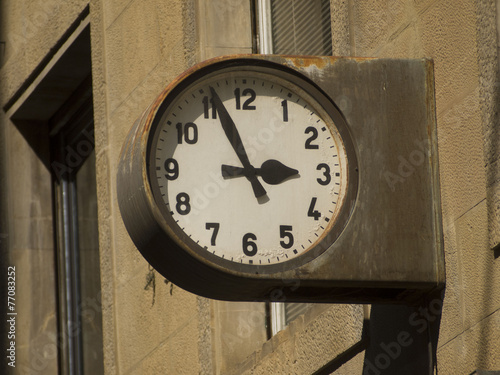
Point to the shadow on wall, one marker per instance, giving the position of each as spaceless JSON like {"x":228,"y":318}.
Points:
{"x":403,"y":339}
{"x":397,"y":340}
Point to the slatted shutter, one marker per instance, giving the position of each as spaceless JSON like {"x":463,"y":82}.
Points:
{"x":301,"y":27}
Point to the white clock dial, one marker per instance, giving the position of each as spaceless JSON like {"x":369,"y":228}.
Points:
{"x":250,"y":167}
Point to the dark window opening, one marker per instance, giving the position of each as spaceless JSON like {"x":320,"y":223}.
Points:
{"x":76,"y":231}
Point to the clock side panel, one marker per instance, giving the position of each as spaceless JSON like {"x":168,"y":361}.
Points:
{"x":394,"y":237}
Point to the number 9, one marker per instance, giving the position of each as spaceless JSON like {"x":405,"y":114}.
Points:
{"x":172,"y":168}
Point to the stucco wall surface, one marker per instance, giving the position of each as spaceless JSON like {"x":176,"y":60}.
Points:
{"x":455,"y":35}
{"x":150,"y":326}
{"x":30,"y":29}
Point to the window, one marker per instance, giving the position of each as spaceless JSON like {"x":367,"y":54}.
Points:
{"x":298,"y":27}
{"x":75,"y":221}
{"x":292,"y":27}
{"x":53,"y":112}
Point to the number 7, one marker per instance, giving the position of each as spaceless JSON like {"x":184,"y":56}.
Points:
{"x":215,"y":227}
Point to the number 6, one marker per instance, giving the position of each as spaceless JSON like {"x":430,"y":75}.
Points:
{"x":249,"y":247}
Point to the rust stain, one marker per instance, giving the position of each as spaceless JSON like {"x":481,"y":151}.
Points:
{"x":430,"y":96}
{"x":320,"y":62}
{"x":144,"y":122}
{"x":294,"y":61}
{"x":431,"y":110}
{"x":152,"y":110}
{"x":307,"y":61}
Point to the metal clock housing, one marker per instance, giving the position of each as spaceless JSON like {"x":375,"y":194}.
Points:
{"x":245,"y":181}
{"x":199,"y":173}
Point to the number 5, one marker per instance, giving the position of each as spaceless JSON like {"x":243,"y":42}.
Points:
{"x":286,"y":232}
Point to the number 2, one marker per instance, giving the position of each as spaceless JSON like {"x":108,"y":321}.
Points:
{"x":309,"y":140}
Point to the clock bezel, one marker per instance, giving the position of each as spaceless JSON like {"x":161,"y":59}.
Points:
{"x":181,"y":241}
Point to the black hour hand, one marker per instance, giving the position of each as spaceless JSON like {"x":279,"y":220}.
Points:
{"x":272,"y":172}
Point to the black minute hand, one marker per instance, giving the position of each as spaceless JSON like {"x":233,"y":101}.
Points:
{"x":234,"y":138}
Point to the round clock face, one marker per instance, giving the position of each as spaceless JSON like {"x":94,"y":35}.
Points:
{"x":249,"y":167}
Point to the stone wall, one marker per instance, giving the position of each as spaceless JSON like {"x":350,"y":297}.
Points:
{"x":150,"y":326}
{"x":455,"y":35}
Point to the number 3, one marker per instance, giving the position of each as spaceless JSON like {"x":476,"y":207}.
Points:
{"x":326,"y":173}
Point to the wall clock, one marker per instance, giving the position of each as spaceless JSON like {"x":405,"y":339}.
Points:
{"x":250,"y":165}
{"x":239,"y":178}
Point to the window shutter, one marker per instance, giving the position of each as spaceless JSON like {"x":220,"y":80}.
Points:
{"x":293,"y":310}
{"x":301,"y":27}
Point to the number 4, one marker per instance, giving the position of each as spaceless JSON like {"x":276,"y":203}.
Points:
{"x":312,"y":212}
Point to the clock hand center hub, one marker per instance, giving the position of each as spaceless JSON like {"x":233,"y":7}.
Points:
{"x":249,"y":171}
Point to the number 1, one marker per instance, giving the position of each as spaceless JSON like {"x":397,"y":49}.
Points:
{"x":284,"y":104}
{"x":206,"y":108}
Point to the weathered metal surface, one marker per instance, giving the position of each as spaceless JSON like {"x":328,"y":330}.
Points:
{"x":390,"y":250}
